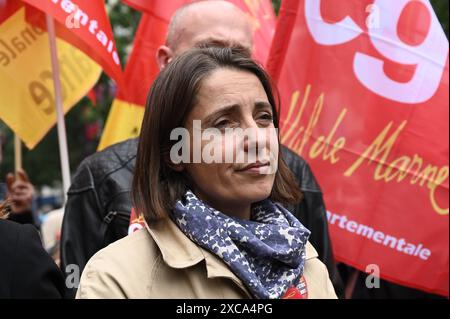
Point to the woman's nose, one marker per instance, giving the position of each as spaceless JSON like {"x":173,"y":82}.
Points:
{"x":251,"y":137}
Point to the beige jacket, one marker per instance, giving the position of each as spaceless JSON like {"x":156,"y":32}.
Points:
{"x":161,"y":262}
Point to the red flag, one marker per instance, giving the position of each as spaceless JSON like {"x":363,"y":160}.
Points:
{"x":7,"y":8}
{"x":364,"y":88}
{"x":85,"y":24}
{"x":263,"y":21}
{"x":141,"y":68}
{"x":92,"y":96}
{"x":159,"y":9}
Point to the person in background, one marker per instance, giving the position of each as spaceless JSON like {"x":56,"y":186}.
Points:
{"x":213,"y":230}
{"x":20,"y":192}
{"x":51,"y":233}
{"x":97,"y":212}
{"x":26,"y":270}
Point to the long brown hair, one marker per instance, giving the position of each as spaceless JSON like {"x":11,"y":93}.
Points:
{"x":156,"y":186}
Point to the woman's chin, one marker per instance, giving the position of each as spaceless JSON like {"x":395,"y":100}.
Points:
{"x":255,"y":194}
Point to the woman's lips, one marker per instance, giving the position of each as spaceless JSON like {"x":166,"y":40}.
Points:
{"x":257,"y":167}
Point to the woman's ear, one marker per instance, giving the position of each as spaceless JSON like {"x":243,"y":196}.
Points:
{"x":164,"y":56}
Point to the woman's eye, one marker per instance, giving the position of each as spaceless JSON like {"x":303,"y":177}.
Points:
{"x":222,"y":124}
{"x":266,"y":117}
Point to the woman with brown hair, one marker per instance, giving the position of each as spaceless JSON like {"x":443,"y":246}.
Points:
{"x":214,"y":228}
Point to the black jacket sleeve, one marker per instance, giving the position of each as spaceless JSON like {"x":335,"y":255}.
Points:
{"x":81,"y":234}
{"x":30,"y":273}
{"x":311,"y":212}
{"x":98,"y":206}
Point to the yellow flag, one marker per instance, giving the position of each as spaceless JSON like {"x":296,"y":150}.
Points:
{"x":124,"y":122}
{"x":27,"y":103}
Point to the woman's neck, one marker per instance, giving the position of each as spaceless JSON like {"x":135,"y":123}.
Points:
{"x":241,"y":211}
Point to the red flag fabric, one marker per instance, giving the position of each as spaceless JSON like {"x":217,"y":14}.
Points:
{"x":92,"y":96}
{"x":85,"y":24}
{"x":263,"y":20}
{"x":162,"y":10}
{"x":364,"y":87}
{"x":141,"y":68}
{"x":7,"y":8}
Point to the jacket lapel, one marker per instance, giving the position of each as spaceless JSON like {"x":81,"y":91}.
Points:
{"x":178,"y":251}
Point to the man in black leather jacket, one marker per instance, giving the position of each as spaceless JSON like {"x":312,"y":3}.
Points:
{"x":98,"y":208}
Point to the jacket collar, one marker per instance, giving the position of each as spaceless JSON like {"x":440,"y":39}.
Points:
{"x":178,"y":251}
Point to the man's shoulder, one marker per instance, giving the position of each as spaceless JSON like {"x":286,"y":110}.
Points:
{"x":9,"y":234}
{"x":301,"y":170}
{"x":10,"y":230}
{"x":290,"y":157}
{"x":100,"y":164}
{"x":18,"y":241}
{"x":112,"y":157}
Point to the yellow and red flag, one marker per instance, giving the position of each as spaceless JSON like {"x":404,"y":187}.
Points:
{"x":364,"y":90}
{"x":26,"y":87}
{"x":85,"y":25}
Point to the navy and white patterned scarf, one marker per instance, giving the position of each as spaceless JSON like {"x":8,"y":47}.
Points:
{"x":266,"y":252}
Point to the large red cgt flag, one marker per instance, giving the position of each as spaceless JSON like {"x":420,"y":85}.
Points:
{"x":125,"y":117}
{"x":364,"y":87}
{"x":84,"y":24}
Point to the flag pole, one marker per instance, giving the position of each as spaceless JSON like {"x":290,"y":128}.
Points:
{"x":62,"y":139}
{"x":17,"y":153}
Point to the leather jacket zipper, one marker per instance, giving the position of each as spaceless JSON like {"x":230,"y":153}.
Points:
{"x":111,"y":215}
